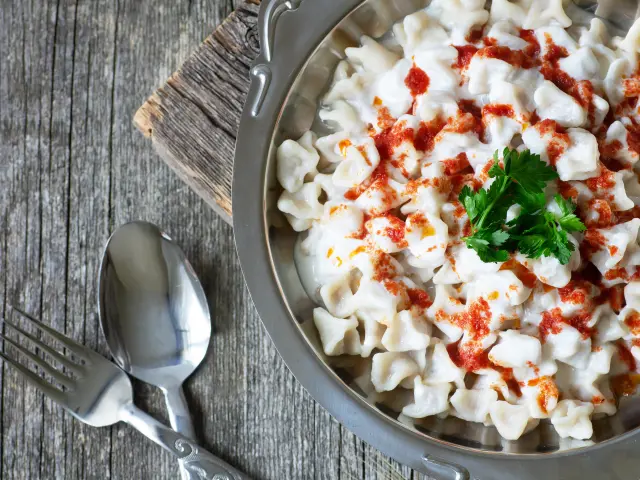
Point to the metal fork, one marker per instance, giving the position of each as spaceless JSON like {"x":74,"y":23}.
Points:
{"x":99,"y":393}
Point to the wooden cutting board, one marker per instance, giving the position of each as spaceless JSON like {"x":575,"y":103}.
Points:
{"x":193,"y":118}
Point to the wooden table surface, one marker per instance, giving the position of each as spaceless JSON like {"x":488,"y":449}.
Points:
{"x":72,"y":169}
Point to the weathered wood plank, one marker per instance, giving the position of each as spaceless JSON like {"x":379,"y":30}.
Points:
{"x":89,"y":112}
{"x":192,"y":120}
{"x":26,"y":153}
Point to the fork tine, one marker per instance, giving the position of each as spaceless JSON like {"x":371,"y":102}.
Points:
{"x":79,"y":350}
{"x":57,"y":356}
{"x":40,"y":383}
{"x":56,"y":374}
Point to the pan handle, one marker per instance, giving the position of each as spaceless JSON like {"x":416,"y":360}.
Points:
{"x":270,"y":13}
{"x":439,"y":468}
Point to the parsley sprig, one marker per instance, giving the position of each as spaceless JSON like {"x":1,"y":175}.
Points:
{"x":535,"y":231}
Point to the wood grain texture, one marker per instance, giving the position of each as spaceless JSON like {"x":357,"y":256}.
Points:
{"x":193,"y":118}
{"x":72,"y":169}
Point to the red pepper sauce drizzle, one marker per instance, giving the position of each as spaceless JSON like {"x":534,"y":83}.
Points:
{"x":551,"y":323}
{"x":498,"y":110}
{"x":417,"y":81}
{"x":469,"y":106}
{"x":419,"y":298}
{"x":385,"y":119}
{"x":633,"y":136}
{"x":386,"y":142}
{"x":606,"y":216}
{"x":440,"y":183}
{"x":414,"y":298}
{"x":378,"y":177}
{"x":395,"y":231}
{"x":592,"y":242}
{"x":490,"y":41}
{"x":631,"y":86}
{"x":472,"y":358}
{"x":576,"y":292}
{"x":475,"y":35}
{"x":458,"y":164}
{"x":629,"y":104}
{"x":469,"y":119}
{"x":567,"y":190}
{"x":623,"y":108}
{"x":391,"y":138}
{"x":633,"y":322}
{"x":587,"y":277}
{"x":459,"y":181}
{"x":426,"y":134}
{"x":614,"y":296}
{"x":526,"y":58}
{"x":394,"y":288}
{"x":550,"y":68}
{"x":533,"y":48}
{"x":580,"y":321}
{"x":383,"y":267}
{"x":468,"y":356}
{"x":507,"y":376}
{"x":608,"y":153}
{"x":361,"y":234}
{"x":603,"y":182}
{"x":617,"y":273}
{"x":553,"y":320}
{"x":581,"y":91}
{"x":517,"y":58}
{"x":559,"y":142}
{"x":527,"y":277}
{"x":474,"y":319}
{"x":548,"y":389}
{"x":465,"y":54}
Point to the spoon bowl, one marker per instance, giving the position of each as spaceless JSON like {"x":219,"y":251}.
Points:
{"x":154,"y":313}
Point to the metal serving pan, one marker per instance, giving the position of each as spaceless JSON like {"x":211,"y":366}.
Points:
{"x":302,"y":41}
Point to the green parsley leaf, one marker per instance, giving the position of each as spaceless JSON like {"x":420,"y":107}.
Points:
{"x":531,"y":173}
{"x":566,"y":205}
{"x":530,"y":202}
{"x":474,"y":203}
{"x":493,"y":237}
{"x":569,"y":220}
{"x":496,"y":170}
{"x":535,"y":232}
{"x":498,"y":237}
{"x":571,"y":223}
{"x":532,"y":246}
{"x":499,"y":198}
{"x":486,"y":253}
{"x":563,"y":248}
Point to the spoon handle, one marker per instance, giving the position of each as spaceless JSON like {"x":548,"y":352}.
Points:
{"x":179,"y":416}
{"x":200,"y":464}
{"x":180,"y":419}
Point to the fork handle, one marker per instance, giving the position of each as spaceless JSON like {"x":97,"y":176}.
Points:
{"x":200,"y":464}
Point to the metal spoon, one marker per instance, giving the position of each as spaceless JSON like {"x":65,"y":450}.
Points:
{"x":154,"y":314}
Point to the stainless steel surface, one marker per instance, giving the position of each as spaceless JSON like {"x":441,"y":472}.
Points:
{"x":299,"y":73}
{"x":154,"y":314}
{"x":97,"y":392}
{"x":262,"y":72}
